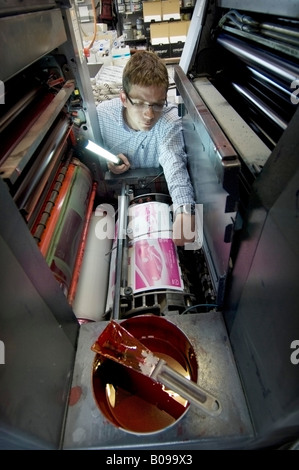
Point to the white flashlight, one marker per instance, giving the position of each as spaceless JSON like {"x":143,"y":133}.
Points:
{"x":98,"y":150}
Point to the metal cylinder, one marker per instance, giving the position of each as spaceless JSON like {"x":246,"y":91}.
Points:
{"x":255,"y":57}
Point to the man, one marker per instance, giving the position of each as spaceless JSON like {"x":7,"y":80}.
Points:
{"x":145,"y":132}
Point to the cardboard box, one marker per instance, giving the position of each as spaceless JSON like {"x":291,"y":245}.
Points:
{"x":171,"y":10}
{"x":152,"y":11}
{"x":178,"y":31}
{"x":159,"y":33}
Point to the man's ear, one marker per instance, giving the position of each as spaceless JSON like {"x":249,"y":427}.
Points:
{"x":123,"y":98}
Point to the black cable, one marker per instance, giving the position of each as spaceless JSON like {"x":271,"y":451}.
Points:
{"x":198,"y":305}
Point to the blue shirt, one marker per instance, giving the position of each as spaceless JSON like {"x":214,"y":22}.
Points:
{"x":162,"y":145}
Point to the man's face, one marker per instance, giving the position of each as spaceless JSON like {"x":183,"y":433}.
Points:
{"x":138,"y":114}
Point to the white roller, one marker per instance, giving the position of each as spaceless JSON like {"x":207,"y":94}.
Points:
{"x":90,"y":299}
{"x":149,"y":220}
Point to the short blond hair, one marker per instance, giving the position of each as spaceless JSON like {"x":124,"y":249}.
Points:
{"x":145,"y":68}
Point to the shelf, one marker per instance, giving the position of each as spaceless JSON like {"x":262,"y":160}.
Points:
{"x":186,"y":9}
{"x":130,"y":16}
{"x":136,"y":40}
{"x":130,"y":12}
{"x":182,"y":9}
{"x":171,"y":60}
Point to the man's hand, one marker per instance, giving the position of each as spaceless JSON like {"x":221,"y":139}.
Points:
{"x":118,"y":169}
{"x":183,"y":229}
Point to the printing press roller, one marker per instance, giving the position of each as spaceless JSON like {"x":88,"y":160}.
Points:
{"x":137,"y":269}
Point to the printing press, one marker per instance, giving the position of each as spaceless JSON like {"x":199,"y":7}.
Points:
{"x":225,"y":308}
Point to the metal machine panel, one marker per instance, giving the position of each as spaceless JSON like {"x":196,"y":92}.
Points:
{"x":77,"y":68}
{"x":214,"y":168}
{"x":15,"y":6}
{"x":267,"y":6}
{"x":27,"y":47}
{"x":39,"y":333}
{"x":270,"y":378}
{"x":20,"y":156}
{"x":249,"y":147}
{"x":262,"y":303}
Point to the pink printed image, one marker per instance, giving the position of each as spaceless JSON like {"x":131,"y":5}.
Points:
{"x":153,"y":264}
{"x":150,"y":220}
